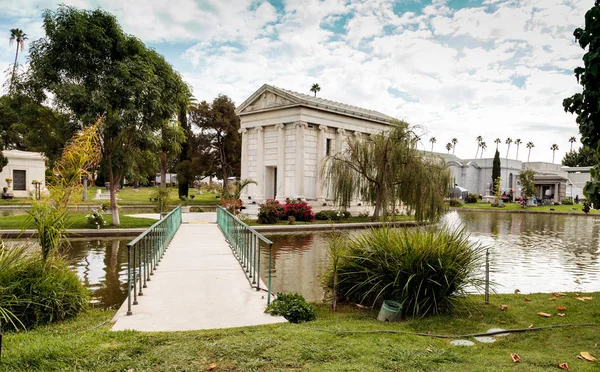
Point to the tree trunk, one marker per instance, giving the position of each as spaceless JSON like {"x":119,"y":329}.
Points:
{"x":85,"y":187}
{"x":184,"y":184}
{"x":14,"y":68}
{"x":163,"y":170}
{"x":113,"y":194}
{"x":377,"y":203}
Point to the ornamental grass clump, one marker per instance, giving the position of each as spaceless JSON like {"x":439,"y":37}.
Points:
{"x":425,"y":269}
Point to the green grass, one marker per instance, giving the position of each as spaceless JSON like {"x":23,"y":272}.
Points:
{"x":76,"y":221}
{"x":128,"y":197}
{"x":576,"y":208}
{"x":87,"y":343}
{"x":353,"y":219}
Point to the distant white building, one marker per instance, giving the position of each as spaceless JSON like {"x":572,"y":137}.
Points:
{"x":287,"y":135}
{"x":22,"y":170}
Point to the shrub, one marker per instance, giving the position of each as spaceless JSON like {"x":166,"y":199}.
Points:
{"x":196,"y":209}
{"x":96,"y":219}
{"x":425,"y":269}
{"x":455,"y":202}
{"x":472,"y":198}
{"x":35,"y":292}
{"x":299,"y":210}
{"x":293,"y":307}
{"x":567,"y":202}
{"x":331,"y":214}
{"x":270,"y":212}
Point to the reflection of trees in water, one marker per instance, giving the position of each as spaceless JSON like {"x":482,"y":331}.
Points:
{"x":291,"y":243}
{"x":112,"y":292}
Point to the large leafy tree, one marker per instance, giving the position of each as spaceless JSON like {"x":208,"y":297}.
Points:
{"x":586,"y":105}
{"x":93,"y":69}
{"x":582,"y":157}
{"x":218,"y":125}
{"x":387,"y":171}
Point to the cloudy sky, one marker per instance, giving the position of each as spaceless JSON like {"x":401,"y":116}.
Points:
{"x":457,"y":68}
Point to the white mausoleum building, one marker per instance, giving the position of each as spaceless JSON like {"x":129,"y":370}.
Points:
{"x":22,"y":169}
{"x":287,"y":135}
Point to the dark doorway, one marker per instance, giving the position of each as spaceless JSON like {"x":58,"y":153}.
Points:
{"x":19,"y":180}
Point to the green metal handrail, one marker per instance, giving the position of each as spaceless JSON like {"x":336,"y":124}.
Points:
{"x":245,"y":244}
{"x":145,"y":252}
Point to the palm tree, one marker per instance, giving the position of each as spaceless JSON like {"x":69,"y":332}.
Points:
{"x":315,"y":88}
{"x":508,"y":142}
{"x":432,"y":140}
{"x":449,"y":147}
{"x":19,"y":36}
{"x":529,"y":145}
{"x":483,"y":146}
{"x":454,"y":142}
{"x":479,"y":139}
{"x":554,"y":147}
{"x":518,"y":142}
{"x":572,"y":140}
{"x":497,"y":141}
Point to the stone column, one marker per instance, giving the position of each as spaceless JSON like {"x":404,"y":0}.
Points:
{"x":244,"y":166}
{"x":280,"y":162}
{"x":299,"y":175}
{"x":320,"y":160}
{"x":260,"y":163}
{"x":339,"y":140}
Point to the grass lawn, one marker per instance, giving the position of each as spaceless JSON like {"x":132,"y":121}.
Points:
{"x":576,"y":208}
{"x":129,"y":197}
{"x":87,"y":343}
{"x":77,"y":221}
{"x":353,"y":219}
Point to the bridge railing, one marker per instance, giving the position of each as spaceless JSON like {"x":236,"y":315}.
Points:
{"x":245,"y":243}
{"x":145,"y":252}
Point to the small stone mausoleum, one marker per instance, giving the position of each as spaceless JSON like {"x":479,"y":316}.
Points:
{"x":287,"y":135}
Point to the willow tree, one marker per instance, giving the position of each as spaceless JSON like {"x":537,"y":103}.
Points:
{"x":387,"y":171}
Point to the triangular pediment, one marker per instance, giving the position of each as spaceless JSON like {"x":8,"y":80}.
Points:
{"x":267,"y":100}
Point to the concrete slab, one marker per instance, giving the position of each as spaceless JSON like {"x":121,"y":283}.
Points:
{"x":199,"y":284}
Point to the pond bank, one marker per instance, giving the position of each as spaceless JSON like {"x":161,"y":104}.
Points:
{"x":329,"y":226}
{"x":524,"y":210}
{"x":77,"y":233}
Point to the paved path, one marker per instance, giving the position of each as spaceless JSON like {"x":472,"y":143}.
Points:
{"x":198,"y":285}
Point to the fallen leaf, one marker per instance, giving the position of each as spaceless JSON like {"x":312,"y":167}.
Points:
{"x":585,"y":298}
{"x":563,"y":366}
{"x":501,"y":322}
{"x":580,"y":357}
{"x":530,"y":326}
{"x":515,"y":357}
{"x":561,"y":308}
{"x":561,"y":314}
{"x":558,"y":294}
{"x":429,"y":349}
{"x":577,"y":295}
{"x":504,"y":307}
{"x":212,"y":366}
{"x":552,"y":299}
{"x":517,"y":291}
{"x":587,"y":356}
{"x":544,"y":315}
{"x":527,"y":299}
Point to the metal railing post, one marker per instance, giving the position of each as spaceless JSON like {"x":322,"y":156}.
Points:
{"x":128,"y":280}
{"x":270,"y":268}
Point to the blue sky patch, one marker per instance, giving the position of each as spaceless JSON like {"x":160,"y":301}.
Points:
{"x":518,"y":81}
{"x":413,"y":6}
{"x":336,"y":23}
{"x":404,"y":95}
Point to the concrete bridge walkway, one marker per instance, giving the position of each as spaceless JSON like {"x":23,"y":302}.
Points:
{"x":199,"y":284}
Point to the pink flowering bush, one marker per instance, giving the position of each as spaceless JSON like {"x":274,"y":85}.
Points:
{"x":300,"y":210}
{"x":270,"y":212}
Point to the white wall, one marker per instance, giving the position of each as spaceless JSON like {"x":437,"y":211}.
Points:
{"x":31,"y":162}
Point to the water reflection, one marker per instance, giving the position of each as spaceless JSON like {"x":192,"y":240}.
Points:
{"x":532,"y":252}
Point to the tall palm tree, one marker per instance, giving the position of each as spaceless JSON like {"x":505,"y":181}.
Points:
{"x":483,"y":146}
{"x":508,"y":142}
{"x":518,"y":142}
{"x":315,"y":88}
{"x":454,"y":142}
{"x":497,"y":141}
{"x":449,"y":147}
{"x":479,"y":139}
{"x":572,"y":140}
{"x":554,"y":147}
{"x":20,"y":37}
{"x":432,"y":140}
{"x":529,"y":145}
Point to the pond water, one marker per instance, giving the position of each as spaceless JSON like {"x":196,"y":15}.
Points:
{"x":531,"y":252}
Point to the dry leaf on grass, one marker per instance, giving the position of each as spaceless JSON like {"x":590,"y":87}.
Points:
{"x":530,"y":326}
{"x":504,"y":307}
{"x":560,"y":314}
{"x":501,"y":322}
{"x":558,"y":294}
{"x":561,"y":308}
{"x":585,"y":298}
{"x":527,"y":299}
{"x":544,"y":315}
{"x":585,"y":355}
{"x":552,"y":299}
{"x":212,"y":366}
{"x":563,"y":366}
{"x":515,"y":358}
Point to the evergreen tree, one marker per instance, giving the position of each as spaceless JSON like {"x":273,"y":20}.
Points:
{"x":496,"y":170}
